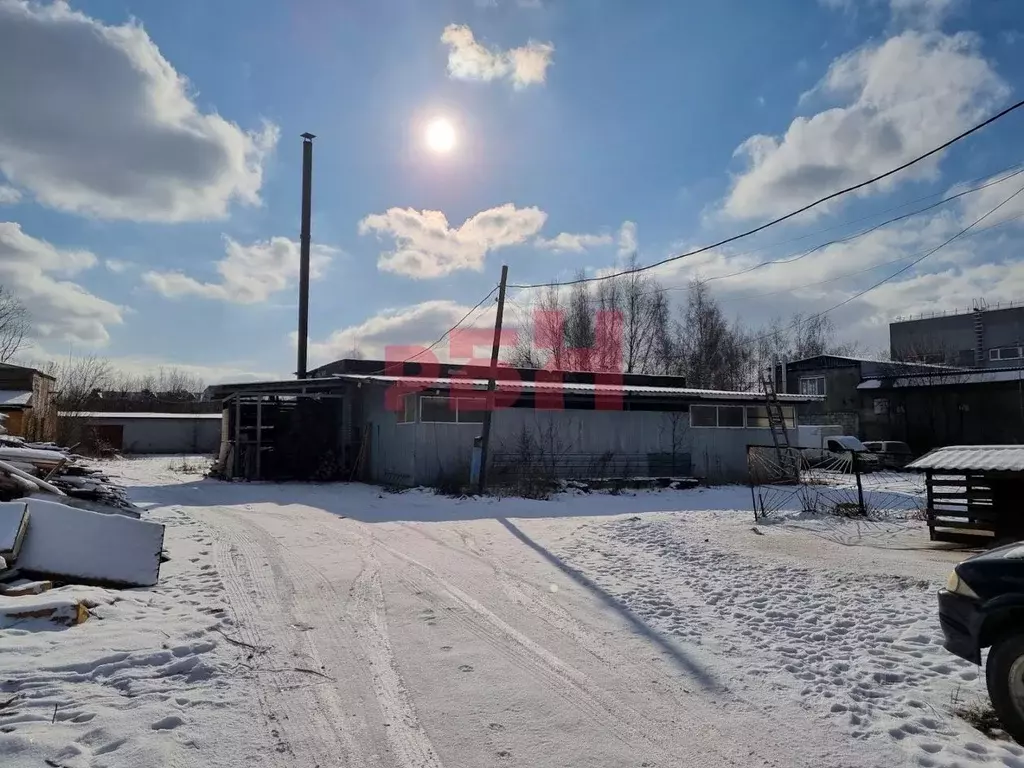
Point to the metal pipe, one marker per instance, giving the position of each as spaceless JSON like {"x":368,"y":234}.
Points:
{"x":304,"y":241}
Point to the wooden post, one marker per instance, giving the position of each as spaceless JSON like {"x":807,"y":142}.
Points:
{"x":238,"y":437}
{"x":259,"y":437}
{"x":485,"y":433}
{"x":860,"y":487}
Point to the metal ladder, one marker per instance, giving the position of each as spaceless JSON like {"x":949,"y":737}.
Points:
{"x":777,"y":425}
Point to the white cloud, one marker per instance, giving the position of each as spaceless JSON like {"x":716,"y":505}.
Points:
{"x":60,"y":309}
{"x":428,"y":247}
{"x":98,"y":122}
{"x":905,"y":96}
{"x":417,"y":325}
{"x":117,"y":266}
{"x":922,"y":13}
{"x":576,"y":243}
{"x":977,"y":204}
{"x":470,"y":60}
{"x":627,"y":239}
{"x":9,"y":195}
{"x":926,"y":13}
{"x":227,"y":372}
{"x":249,"y":273}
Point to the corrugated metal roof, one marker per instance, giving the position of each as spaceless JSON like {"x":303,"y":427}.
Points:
{"x":951,"y":378}
{"x":140,"y":415}
{"x":548,"y":386}
{"x":15,"y":396}
{"x":1008,"y":458}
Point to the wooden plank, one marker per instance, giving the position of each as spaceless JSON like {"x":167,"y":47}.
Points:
{"x":973,"y":494}
{"x":970,"y":539}
{"x":963,"y":525}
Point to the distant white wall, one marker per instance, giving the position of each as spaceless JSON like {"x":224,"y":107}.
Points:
{"x":172,"y":435}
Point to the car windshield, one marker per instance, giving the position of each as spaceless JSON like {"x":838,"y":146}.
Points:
{"x":850,"y":443}
{"x":893,"y":447}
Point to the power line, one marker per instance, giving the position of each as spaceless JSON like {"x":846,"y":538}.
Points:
{"x":449,"y":331}
{"x":797,"y":212}
{"x":898,"y":272}
{"x":845,"y":275}
{"x":850,"y":238}
{"x":917,"y":261}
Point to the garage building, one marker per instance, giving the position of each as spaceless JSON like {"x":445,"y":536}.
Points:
{"x":152,"y":432}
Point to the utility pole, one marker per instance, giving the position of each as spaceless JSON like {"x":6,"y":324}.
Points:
{"x":304,"y":238}
{"x":485,"y":436}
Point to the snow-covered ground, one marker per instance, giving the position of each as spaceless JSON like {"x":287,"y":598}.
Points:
{"x":303,"y":625}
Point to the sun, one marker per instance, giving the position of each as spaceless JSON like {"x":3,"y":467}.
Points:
{"x":440,"y":136}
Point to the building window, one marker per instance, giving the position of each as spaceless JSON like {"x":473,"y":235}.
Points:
{"x":408,"y":413}
{"x":452,"y":410}
{"x":437,"y":410}
{"x":812,"y":385}
{"x":703,"y":416}
{"x":757,"y":417}
{"x":471,"y":410}
{"x":730,"y":415}
{"x":1004,"y":353}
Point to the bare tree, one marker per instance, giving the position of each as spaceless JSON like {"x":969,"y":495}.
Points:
{"x":708,"y":350}
{"x":579,"y":329}
{"x":14,"y":325}
{"x":77,"y":379}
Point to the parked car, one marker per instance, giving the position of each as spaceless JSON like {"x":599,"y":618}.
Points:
{"x":836,"y":451}
{"x":981,"y":607}
{"x":891,"y":453}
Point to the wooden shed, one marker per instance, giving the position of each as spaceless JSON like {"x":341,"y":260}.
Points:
{"x":975,"y":493}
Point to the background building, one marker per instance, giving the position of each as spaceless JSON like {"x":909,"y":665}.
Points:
{"x":139,"y":432}
{"x":987,"y":337}
{"x":27,"y":398}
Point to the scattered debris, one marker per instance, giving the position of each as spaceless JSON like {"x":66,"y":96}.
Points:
{"x":46,"y":470}
{"x":85,"y":547}
{"x":62,"y":611}
{"x":23,"y":587}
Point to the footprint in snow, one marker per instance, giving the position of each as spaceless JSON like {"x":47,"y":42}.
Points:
{"x":168,"y":723}
{"x":465,"y":668}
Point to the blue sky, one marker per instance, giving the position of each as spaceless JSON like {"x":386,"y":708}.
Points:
{"x":154,"y":220}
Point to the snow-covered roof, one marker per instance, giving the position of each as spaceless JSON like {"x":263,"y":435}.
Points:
{"x":13,"y":397}
{"x":140,"y":415}
{"x":953,"y":377}
{"x":973,"y":457}
{"x":550,"y":386}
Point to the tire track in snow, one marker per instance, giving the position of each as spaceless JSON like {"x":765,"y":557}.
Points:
{"x":569,"y":683}
{"x":306,"y":721}
{"x":405,"y":734}
{"x":525,"y":594}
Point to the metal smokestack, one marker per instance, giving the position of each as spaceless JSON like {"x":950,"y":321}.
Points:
{"x":304,"y":238}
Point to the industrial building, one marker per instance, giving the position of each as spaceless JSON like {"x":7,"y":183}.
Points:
{"x":985,"y":337}
{"x":402,"y":425}
{"x":141,"y":432}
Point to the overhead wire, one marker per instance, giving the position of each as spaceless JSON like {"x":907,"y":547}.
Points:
{"x":447,"y":333}
{"x":791,"y":214}
{"x":790,"y":258}
{"x":899,"y":272}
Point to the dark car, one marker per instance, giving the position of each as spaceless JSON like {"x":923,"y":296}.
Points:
{"x":892,"y":453}
{"x":982,"y":606}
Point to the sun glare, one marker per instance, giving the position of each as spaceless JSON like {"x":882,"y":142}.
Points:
{"x":440,"y":136}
